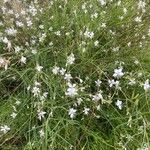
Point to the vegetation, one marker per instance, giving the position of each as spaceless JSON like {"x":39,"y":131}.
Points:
{"x":74,"y":74}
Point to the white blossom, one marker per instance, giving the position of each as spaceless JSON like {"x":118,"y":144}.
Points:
{"x":36,"y":91}
{"x":86,"y":111}
{"x":72,"y":90}
{"x":13,"y":115}
{"x":39,"y":68}
{"x":102,"y":2}
{"x":11,"y":31}
{"x":23,"y":60}
{"x":70,"y":59}
{"x":146,"y":85}
{"x":119,"y":104}
{"x":55,"y":70}
{"x":72,"y":113}
{"x":98,"y":96}
{"x":4,"y":129}
{"x":41,"y":132}
{"x":41,"y":114}
{"x":118,"y":73}
{"x":98,"y":83}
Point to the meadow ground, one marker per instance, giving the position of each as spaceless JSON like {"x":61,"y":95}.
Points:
{"x":74,"y":75}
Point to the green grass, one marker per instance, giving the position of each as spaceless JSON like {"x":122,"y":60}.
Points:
{"x":106,"y":128}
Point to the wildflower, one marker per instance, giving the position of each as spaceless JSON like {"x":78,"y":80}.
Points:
{"x":4,"y":129}
{"x":98,"y":83}
{"x":86,"y":111}
{"x":146,"y":85}
{"x":79,"y":101}
{"x":96,"y":43}
{"x":89,"y":34}
{"x":141,"y":4}
{"x":62,"y":71}
{"x":72,"y":90}
{"x":34,"y":51}
{"x":70,"y":59}
{"x":18,"y":102}
{"x":42,"y":37}
{"x":116,"y":49}
{"x":68,"y":76}
{"x":39,"y":68}
{"x":41,"y":132}
{"x":103,"y":25}
{"x":97,"y":96}
{"x":132,"y":82}
{"x":17,"y":49}
{"x":55,"y":70}
{"x":44,"y":96}
{"x":102,"y":2}
{"x":118,"y":73}
{"x":72,"y":113}
{"x":138,"y":19}
{"x":4,"y":63}
{"x":11,"y":31}
{"x":13,"y":115}
{"x":119,"y":104}
{"x":23,"y":60}
{"x":19,"y":24}
{"x":125,"y":10}
{"x":36,"y":91}
{"x":111,"y":82}
{"x":41,"y":114}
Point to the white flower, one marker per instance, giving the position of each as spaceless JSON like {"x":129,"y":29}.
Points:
{"x":125,"y":10}
{"x":70,"y":59}
{"x":132,"y":82}
{"x":72,"y":113}
{"x":39,"y":68}
{"x":86,"y":111}
{"x":18,"y":102}
{"x":98,"y":83}
{"x":116,"y":49}
{"x":138,"y":19}
{"x":118,"y":73}
{"x":11,"y":31}
{"x":29,"y":23}
{"x":79,"y":101}
{"x":17,"y":49}
{"x":141,"y":4}
{"x":41,"y":132}
{"x":89,"y":34}
{"x":119,"y":104}
{"x":62,"y":71}
{"x":68,"y":76}
{"x":146,"y":85}
{"x":4,"y":129}
{"x":5,"y":40}
{"x":96,"y":43}
{"x":111,"y":82}
{"x":36,"y":91}
{"x":103,"y":25}
{"x":23,"y":60}
{"x":41,"y":114}
{"x":4,"y":63}
{"x":72,"y":90}
{"x":19,"y":24}
{"x":55,"y":70}
{"x":34,"y":51}
{"x":97,"y":96}
{"x":13,"y":115}
{"x":102,"y":2}
{"x":44,"y":96}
